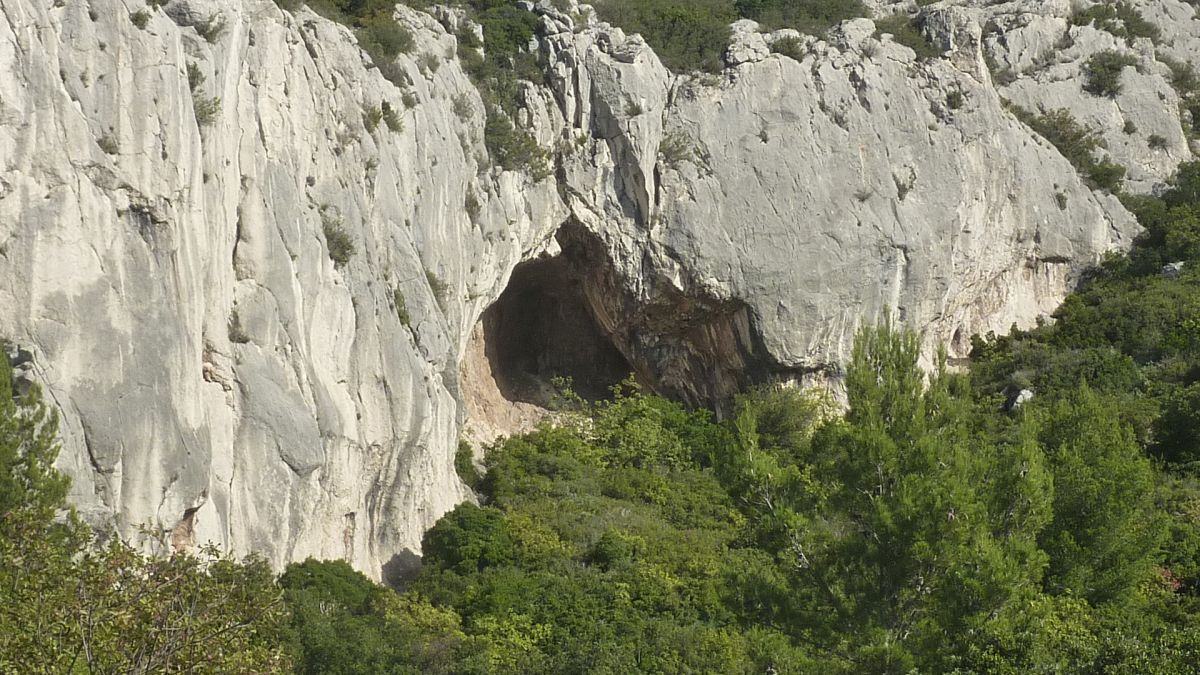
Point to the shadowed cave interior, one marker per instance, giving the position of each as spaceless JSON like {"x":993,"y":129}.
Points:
{"x":541,"y":328}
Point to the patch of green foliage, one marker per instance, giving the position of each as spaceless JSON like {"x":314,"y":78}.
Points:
{"x":1186,"y":83}
{"x":464,"y":465}
{"x":70,"y":602}
{"x":1078,"y":144}
{"x":337,"y":240}
{"x":790,"y":47}
{"x":377,"y":31}
{"x":401,"y":306}
{"x":809,"y":16}
{"x":1119,"y":18}
{"x":685,"y":34}
{"x":926,"y":530}
{"x":1132,"y":330}
{"x":497,"y":72}
{"x":692,"y":35}
{"x":1102,"y":72}
{"x":907,"y":32}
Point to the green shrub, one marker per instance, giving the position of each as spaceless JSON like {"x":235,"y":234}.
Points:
{"x":206,"y":109}
{"x":686,"y":35}
{"x":381,"y":36}
{"x":907,"y":32}
{"x":439,"y":288}
{"x":791,"y":47}
{"x":1078,"y":144}
{"x":212,"y":28}
{"x":429,"y":63}
{"x":372,"y":116}
{"x":1120,"y":18}
{"x":1156,"y":142}
{"x":195,"y":77}
{"x":464,"y":465}
{"x":1102,"y":72}
{"x":108,"y":144}
{"x":337,"y":240}
{"x":140,"y":18}
{"x":391,"y":118}
{"x":809,"y":16}
{"x":401,"y":306}
{"x":514,"y":149}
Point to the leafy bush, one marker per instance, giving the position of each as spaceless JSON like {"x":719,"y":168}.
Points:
{"x":1121,"y":19}
{"x":809,"y":16}
{"x":1078,"y":144}
{"x":790,"y":47}
{"x":464,"y":465}
{"x":381,"y":36}
{"x":514,"y":149}
{"x":1102,"y":72}
{"x":337,"y":240}
{"x":686,"y":35}
{"x":206,"y":109}
{"x":401,"y":306}
{"x":391,"y":118}
{"x":907,"y":32}
{"x":212,"y":28}
{"x":140,"y":18}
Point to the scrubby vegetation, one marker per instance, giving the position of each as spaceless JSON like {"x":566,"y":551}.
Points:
{"x":907,"y":32}
{"x":693,"y":34}
{"x":70,"y":602}
{"x":941,"y":524}
{"x":337,"y":240}
{"x":1078,"y":144}
{"x":1102,"y":72}
{"x":1119,"y":18}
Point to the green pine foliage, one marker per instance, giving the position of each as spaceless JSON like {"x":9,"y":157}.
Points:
{"x":69,"y":603}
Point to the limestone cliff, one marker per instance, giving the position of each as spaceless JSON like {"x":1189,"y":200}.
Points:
{"x":170,"y":195}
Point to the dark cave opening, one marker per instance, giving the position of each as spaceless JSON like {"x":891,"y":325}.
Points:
{"x":540,"y":328}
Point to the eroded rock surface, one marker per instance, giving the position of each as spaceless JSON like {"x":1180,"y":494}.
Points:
{"x":222,"y":379}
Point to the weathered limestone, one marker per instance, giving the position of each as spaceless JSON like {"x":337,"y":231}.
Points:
{"x":221,"y":378}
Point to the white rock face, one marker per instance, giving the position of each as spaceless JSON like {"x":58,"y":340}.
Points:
{"x":1039,"y":48}
{"x":221,"y":379}
{"x":217,"y":374}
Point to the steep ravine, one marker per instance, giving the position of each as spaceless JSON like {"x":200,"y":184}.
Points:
{"x":221,"y":378}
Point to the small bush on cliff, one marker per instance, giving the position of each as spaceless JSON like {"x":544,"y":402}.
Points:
{"x":337,"y":240}
{"x":908,"y":33}
{"x":1077,"y":143}
{"x":1121,"y":19}
{"x":1102,"y":72}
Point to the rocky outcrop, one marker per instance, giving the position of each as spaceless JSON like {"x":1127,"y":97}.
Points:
{"x":174,"y":197}
{"x":1041,"y":57}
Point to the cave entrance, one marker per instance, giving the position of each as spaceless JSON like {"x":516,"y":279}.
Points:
{"x":539,"y":329}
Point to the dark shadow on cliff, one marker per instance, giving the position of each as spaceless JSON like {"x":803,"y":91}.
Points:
{"x":540,"y":328}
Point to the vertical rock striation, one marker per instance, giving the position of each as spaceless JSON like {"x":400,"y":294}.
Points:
{"x":176,"y":200}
